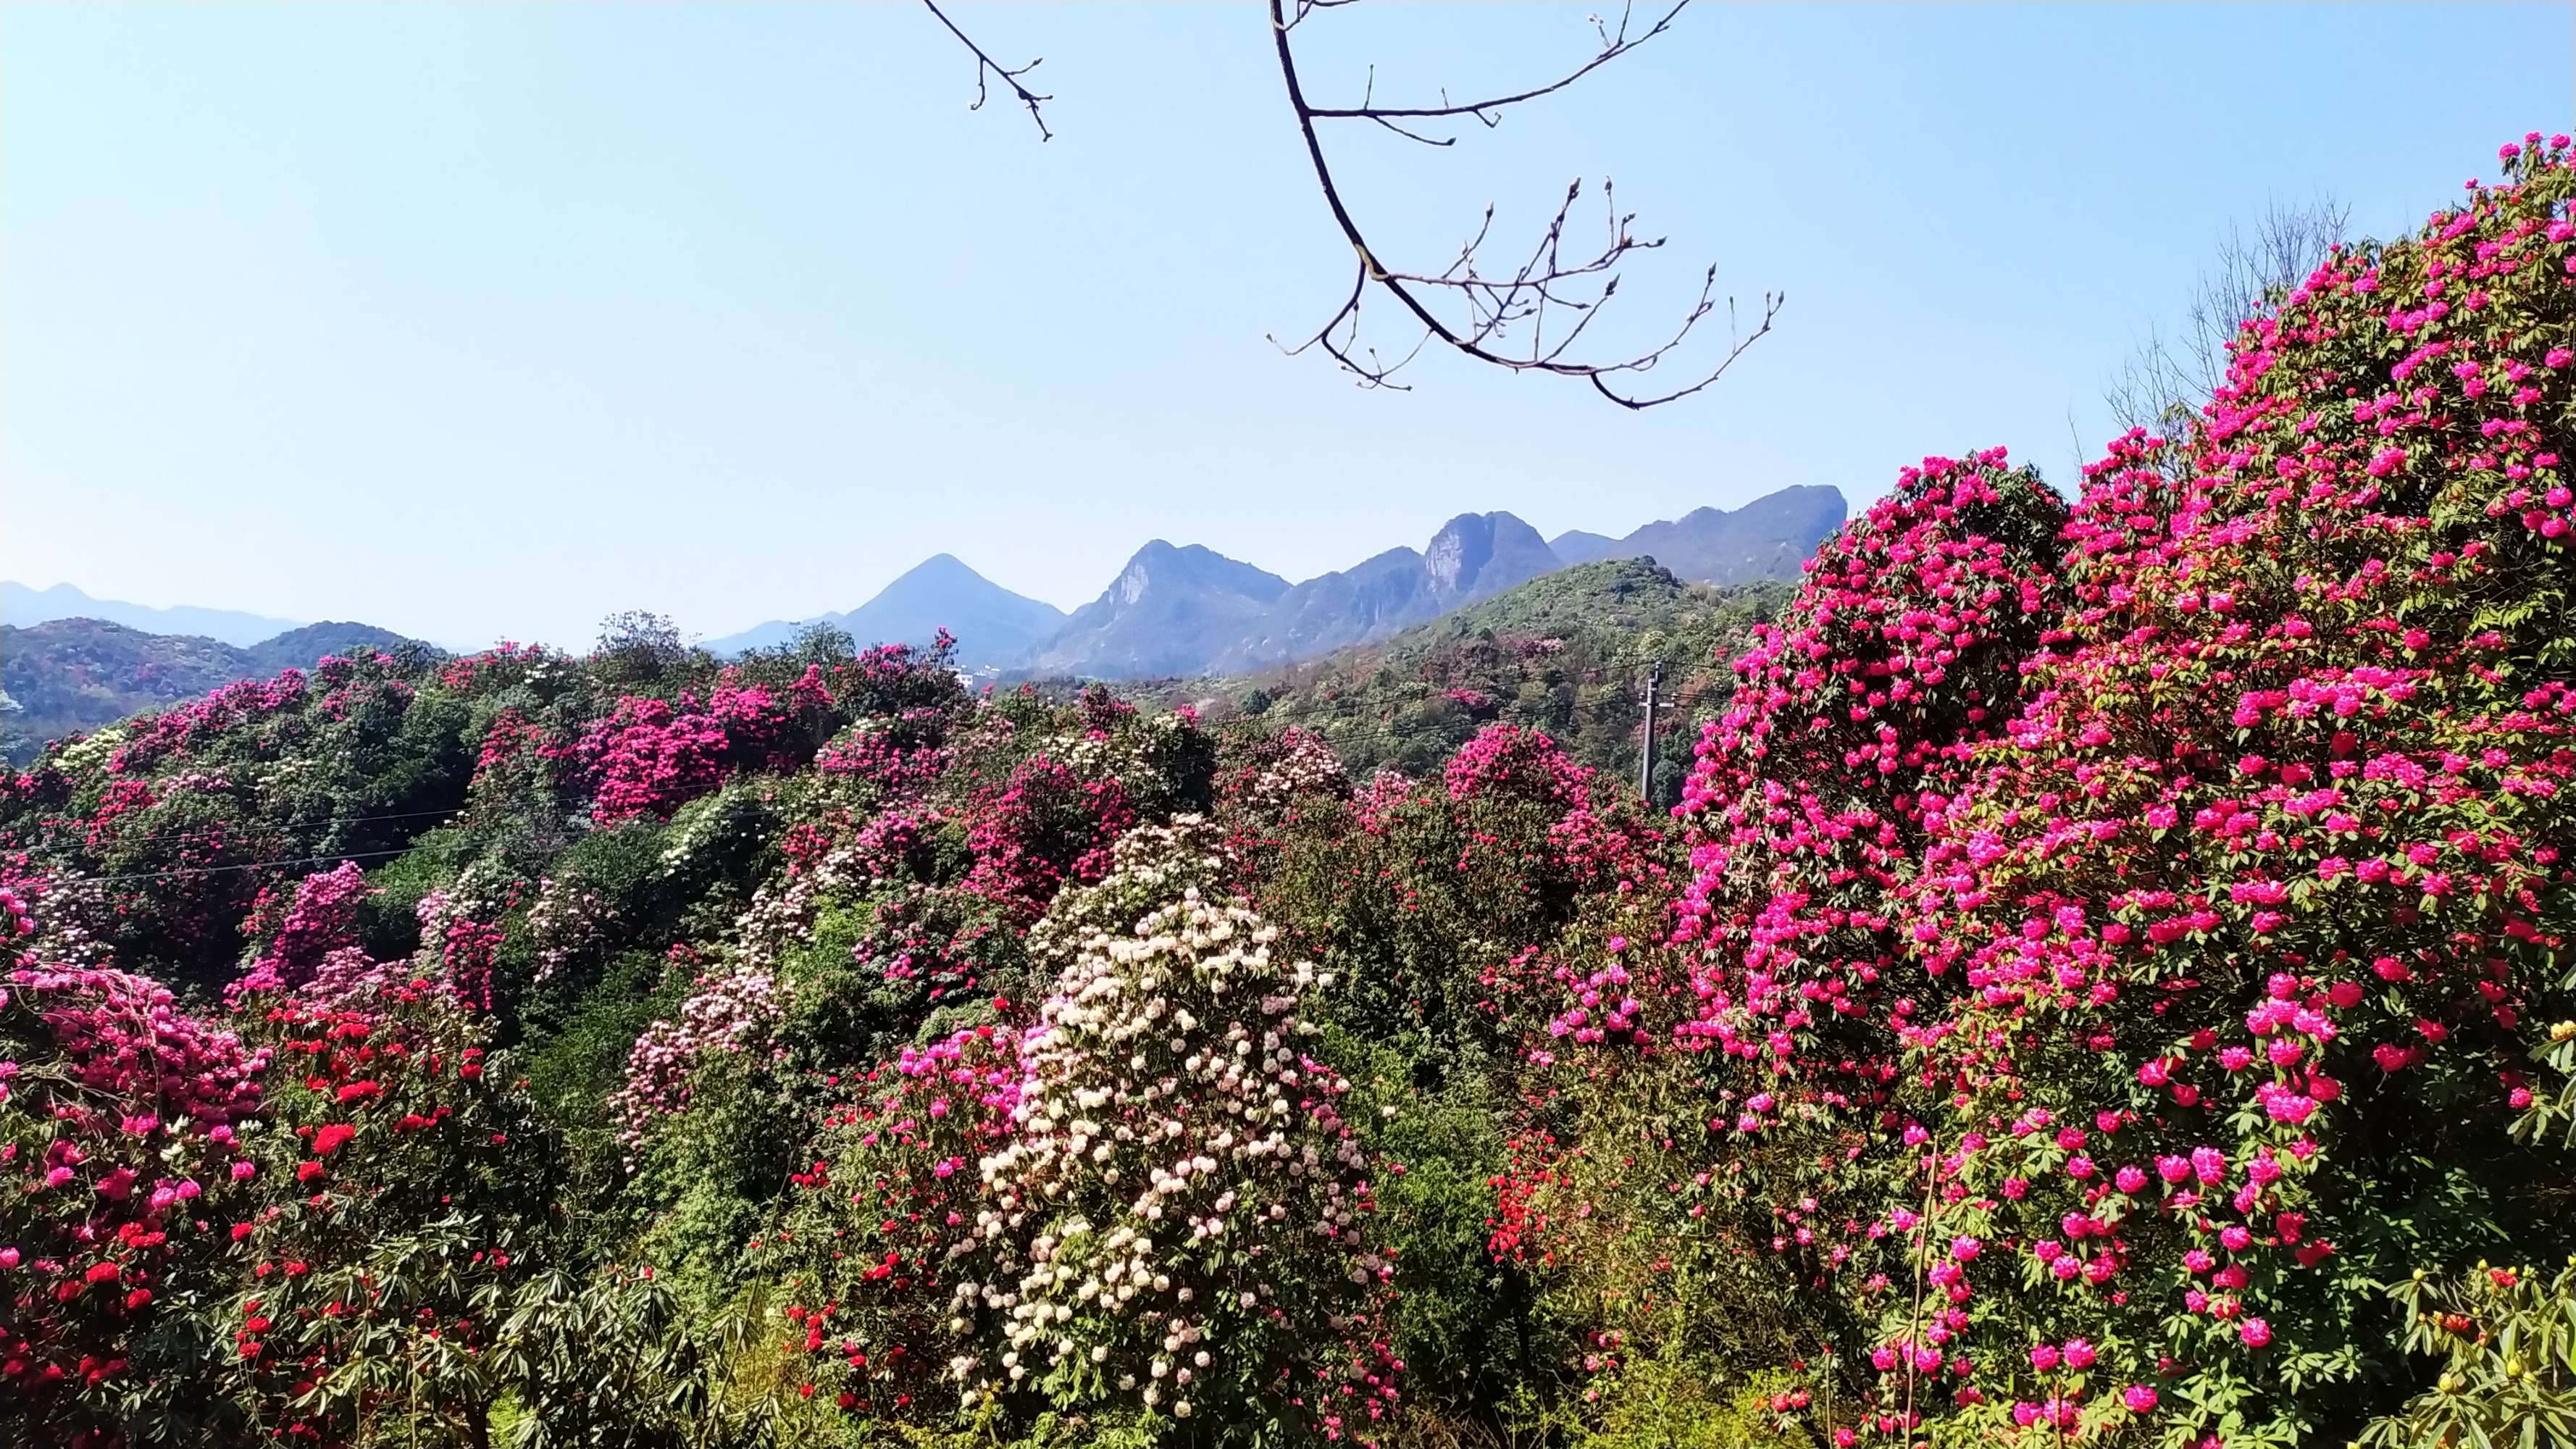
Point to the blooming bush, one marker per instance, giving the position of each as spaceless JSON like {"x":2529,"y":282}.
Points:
{"x":117,"y":1146}
{"x":322,"y":921}
{"x":881,"y":1215}
{"x":182,"y":819}
{"x":1181,"y":1189}
{"x":651,"y":756}
{"x":730,"y":1011}
{"x":2249,"y":872}
{"x":1146,"y":1202}
{"x":413,"y":1206}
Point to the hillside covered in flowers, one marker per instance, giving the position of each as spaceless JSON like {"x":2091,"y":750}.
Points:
{"x":2106,"y":980}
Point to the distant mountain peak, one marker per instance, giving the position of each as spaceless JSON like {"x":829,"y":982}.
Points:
{"x":1133,"y":583}
{"x":992,"y":624}
{"x":1170,"y":610}
{"x":1475,"y":554}
{"x":1193,"y":565}
{"x":1768,"y":537}
{"x":23,"y":606}
{"x":1578,"y":546}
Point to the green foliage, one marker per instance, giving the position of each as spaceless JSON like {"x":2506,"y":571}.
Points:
{"x":2506,"y":1342}
{"x":574,"y":1054}
{"x":1667,"y":1403}
{"x":1566,"y":653}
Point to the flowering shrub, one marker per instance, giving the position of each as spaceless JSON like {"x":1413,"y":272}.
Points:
{"x":184,"y":818}
{"x":1147,"y":1202}
{"x":1190,"y":1205}
{"x":1048,"y":824}
{"x":568,"y":921}
{"x":322,"y":921}
{"x":460,"y":938}
{"x":413,"y":1203}
{"x":880,"y":1217}
{"x":728,"y":1012}
{"x":651,"y":756}
{"x":1431,"y":892}
{"x":2250,"y":869}
{"x":898,"y":757}
{"x":117,"y":1123}
{"x":1280,"y":773}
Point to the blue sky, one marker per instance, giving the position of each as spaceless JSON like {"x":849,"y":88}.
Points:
{"x":479,"y":321}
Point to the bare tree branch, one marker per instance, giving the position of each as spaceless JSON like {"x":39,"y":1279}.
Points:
{"x":1613,"y":46}
{"x":986,"y":66}
{"x":1494,"y":313}
{"x":2163,"y":382}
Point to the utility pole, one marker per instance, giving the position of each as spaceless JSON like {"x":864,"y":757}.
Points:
{"x":1646,"y":756}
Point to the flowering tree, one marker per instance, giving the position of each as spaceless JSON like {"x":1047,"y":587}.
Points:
{"x":413,"y":1200}
{"x":2196,"y":988}
{"x":118,"y":1158}
{"x":1146,"y":1202}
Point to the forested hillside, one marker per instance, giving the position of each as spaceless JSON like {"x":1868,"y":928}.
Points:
{"x":2104,"y":979}
{"x":67,"y":675}
{"x":1567,"y":653}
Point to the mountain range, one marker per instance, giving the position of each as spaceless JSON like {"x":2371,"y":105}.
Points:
{"x":22,"y":606}
{"x":1564,"y":652}
{"x":68,"y":661}
{"x":1188,"y":610}
{"x":1768,"y":538}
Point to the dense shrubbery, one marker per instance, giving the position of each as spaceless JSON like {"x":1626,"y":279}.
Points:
{"x":1567,"y":653}
{"x":2105,"y":980}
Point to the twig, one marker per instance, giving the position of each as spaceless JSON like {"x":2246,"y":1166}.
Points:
{"x":1496,"y":307}
{"x":1613,"y":46}
{"x":985,"y":64}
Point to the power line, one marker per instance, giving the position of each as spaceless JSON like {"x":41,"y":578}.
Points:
{"x":60,"y":823}
{"x":244,"y":865}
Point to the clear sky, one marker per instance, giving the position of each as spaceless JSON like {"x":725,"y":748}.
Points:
{"x":476,"y":320}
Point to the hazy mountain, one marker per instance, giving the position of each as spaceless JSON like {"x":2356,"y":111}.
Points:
{"x":1187,"y":611}
{"x":1170,"y":611}
{"x":1767,"y":538}
{"x":1371,"y":598}
{"x":23,"y":607}
{"x":991,"y":623}
{"x":1193,"y":612}
{"x":67,"y":676}
{"x":1576,"y":546}
{"x":1473,"y":556}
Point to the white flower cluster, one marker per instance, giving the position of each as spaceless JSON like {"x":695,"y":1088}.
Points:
{"x":568,"y":920}
{"x":774,"y":920}
{"x":82,"y":756}
{"x":1180,"y":1187}
{"x":1306,"y":766}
